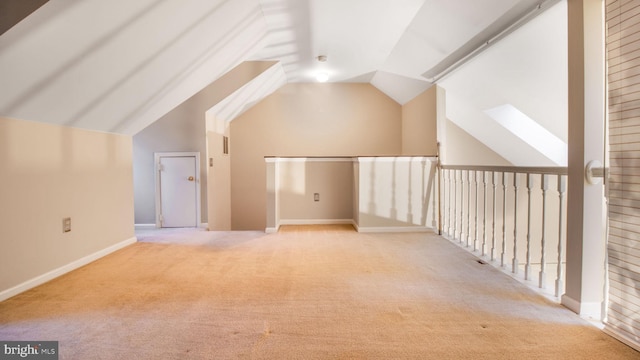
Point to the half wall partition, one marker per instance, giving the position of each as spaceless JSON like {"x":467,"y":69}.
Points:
{"x":374,"y":194}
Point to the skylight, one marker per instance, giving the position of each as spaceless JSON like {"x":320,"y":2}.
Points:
{"x":531,"y":132}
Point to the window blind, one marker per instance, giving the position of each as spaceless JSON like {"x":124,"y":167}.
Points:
{"x":623,"y":63}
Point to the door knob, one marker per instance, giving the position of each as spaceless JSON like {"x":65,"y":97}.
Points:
{"x":190,"y":178}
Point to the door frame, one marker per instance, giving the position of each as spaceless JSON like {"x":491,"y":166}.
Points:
{"x":156,"y":170}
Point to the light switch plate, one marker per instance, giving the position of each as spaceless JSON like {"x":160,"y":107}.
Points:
{"x":66,"y":225}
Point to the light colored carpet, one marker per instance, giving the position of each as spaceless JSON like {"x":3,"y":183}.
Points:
{"x":304,"y":293}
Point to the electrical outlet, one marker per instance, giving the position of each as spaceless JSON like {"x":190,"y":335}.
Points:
{"x":316,"y":197}
{"x":66,"y":225}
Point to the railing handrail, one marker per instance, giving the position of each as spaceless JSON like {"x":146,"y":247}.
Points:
{"x":552,"y":170}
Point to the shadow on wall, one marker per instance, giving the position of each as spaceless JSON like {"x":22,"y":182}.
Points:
{"x":316,"y":190}
{"x":145,"y":83}
{"x":73,"y":62}
{"x":397,"y":192}
{"x":373,"y":193}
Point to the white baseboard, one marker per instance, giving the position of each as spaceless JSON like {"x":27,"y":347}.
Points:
{"x":590,"y":310}
{"x":145,"y":226}
{"x":316,"y":221}
{"x":204,"y":225}
{"x":392,"y":229}
{"x":271,"y":230}
{"x":39,"y":280}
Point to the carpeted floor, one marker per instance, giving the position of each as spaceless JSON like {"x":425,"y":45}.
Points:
{"x":303,"y":293}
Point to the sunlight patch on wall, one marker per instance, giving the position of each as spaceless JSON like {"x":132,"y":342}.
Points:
{"x":531,"y":132}
{"x":250,"y":94}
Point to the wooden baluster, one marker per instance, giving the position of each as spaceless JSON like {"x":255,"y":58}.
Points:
{"x":562,"y":187}
{"x":468,"y":207}
{"x":494,"y":181}
{"x":527,"y":266}
{"x":434,"y":198}
{"x":445,"y":202}
{"x":476,"y":227}
{"x":515,"y":262}
{"x":451,"y":172}
{"x":484,"y":214}
{"x":455,"y":203}
{"x":461,"y":206}
{"x":542,"y":282}
{"x":504,"y":220}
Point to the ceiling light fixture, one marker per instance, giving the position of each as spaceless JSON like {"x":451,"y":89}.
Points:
{"x":322,"y":77}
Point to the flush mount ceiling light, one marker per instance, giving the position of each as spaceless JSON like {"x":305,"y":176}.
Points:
{"x":322,"y":77}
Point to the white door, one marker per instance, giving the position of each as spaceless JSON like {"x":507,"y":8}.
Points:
{"x":178,"y":184}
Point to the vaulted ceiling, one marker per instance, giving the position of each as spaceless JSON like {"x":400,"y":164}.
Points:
{"x":119,"y":65}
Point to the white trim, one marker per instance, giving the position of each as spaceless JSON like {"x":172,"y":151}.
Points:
{"x":316,"y":221}
{"x":145,"y":226}
{"x":570,"y":303}
{"x":395,"y":158}
{"x":392,"y":229}
{"x":308,"y":159}
{"x":41,"y":279}
{"x":592,"y":310}
{"x":156,"y":161}
{"x":204,"y":225}
{"x":271,"y":230}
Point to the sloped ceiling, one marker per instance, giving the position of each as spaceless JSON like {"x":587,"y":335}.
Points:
{"x":399,"y":46}
{"x":119,"y":65}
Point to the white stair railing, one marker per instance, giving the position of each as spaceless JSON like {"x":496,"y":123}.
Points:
{"x":485,"y":211}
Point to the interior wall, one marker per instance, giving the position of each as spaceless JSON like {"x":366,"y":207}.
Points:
{"x":51,"y":172}
{"x":301,"y":178}
{"x":464,"y":149}
{"x":183,"y":129}
{"x":525,"y":71}
{"x":219,"y":185}
{"x":419,"y":119}
{"x":396,"y":192}
{"x":306,"y":119}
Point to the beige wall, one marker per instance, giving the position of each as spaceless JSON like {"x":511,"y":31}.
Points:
{"x":50,"y":172}
{"x":300,"y":179}
{"x":419,"y":132}
{"x":183,"y":129}
{"x":306,"y":120}
{"x":219,"y":194}
{"x":464,"y":149}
